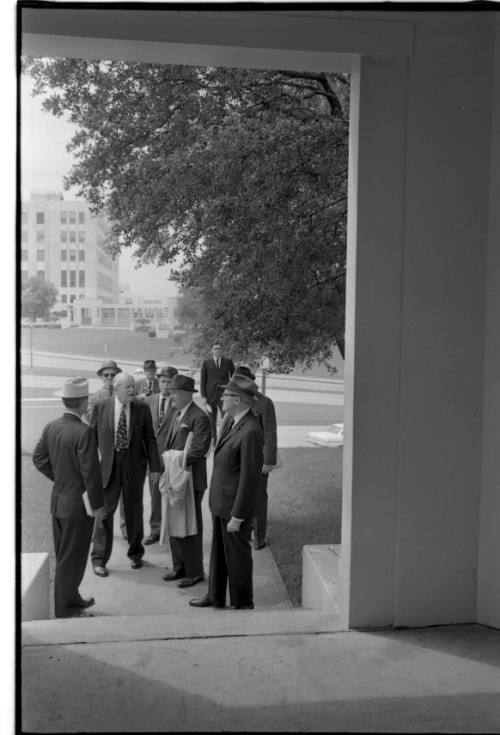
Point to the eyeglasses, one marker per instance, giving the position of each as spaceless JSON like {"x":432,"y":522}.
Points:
{"x":225,"y":395}
{"x":108,"y":375}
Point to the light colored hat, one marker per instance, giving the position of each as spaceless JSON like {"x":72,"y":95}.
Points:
{"x":74,"y":388}
{"x":109,"y":365}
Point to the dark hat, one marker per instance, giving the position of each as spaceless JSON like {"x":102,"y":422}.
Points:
{"x":244,"y":370}
{"x":242,"y":385}
{"x":149,"y":364}
{"x":183,"y":382}
{"x":167,"y":372}
{"x":109,"y":365}
{"x":74,"y":388}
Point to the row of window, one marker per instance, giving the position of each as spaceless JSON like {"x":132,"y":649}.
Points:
{"x":72,"y":236}
{"x":40,"y":236}
{"x":65,"y":236}
{"x":66,"y":218}
{"x":72,"y":279}
{"x":40,"y":255}
{"x":64,"y":298}
{"x":39,"y":274}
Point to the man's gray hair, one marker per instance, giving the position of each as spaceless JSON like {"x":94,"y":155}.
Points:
{"x":121,"y":377}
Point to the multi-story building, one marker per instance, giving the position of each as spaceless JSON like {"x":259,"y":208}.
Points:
{"x":62,"y":242}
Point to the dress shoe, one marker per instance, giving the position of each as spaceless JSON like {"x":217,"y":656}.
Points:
{"x":100,"y":570}
{"x":250,"y":606}
{"x":205,"y":602}
{"x":189,"y":581}
{"x":259,"y":545}
{"x":153,"y":538}
{"x":170,"y":576}
{"x":137,"y":563}
{"x":82,"y":614}
{"x":82,"y":603}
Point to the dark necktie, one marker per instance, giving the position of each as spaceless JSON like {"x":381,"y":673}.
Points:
{"x":121,"y":433}
{"x":162,"y":408}
{"x":227,"y":428}
{"x":149,"y":389}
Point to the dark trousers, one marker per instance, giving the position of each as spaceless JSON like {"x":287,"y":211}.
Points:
{"x":155,"y":517}
{"x":214,"y":405}
{"x":187,"y":553}
{"x":119,"y":482}
{"x":259,"y":522}
{"x":231,"y":561}
{"x":71,"y":544}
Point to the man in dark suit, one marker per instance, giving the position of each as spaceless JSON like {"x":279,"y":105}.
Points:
{"x":215,"y":372}
{"x":127,"y":444}
{"x":148,"y":385}
{"x":234,"y":487}
{"x":187,"y":552}
{"x":162,"y":411}
{"x":107,"y":372}
{"x":264,"y":409}
{"x":67,"y":454}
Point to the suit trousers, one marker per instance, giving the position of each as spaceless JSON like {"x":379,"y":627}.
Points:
{"x":119,"y":482}
{"x":187,"y":553}
{"x":214,"y":405}
{"x":71,"y":544}
{"x":231,"y":560}
{"x":259,"y":522}
{"x":155,"y":516}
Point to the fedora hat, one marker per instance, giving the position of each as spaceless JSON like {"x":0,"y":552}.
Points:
{"x":244,"y":370}
{"x":74,"y":388}
{"x":183,"y":382}
{"x":109,"y":365}
{"x":167,"y":372}
{"x":149,"y":365}
{"x":242,"y":385}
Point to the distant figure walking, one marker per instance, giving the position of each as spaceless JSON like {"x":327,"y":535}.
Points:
{"x":67,"y":454}
{"x":215,"y":372}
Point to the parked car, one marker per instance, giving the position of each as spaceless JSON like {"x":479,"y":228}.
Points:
{"x":141,"y":324}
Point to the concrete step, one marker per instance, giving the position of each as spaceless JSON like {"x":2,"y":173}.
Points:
{"x":190,"y":624}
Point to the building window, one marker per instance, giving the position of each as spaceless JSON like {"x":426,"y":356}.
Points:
{"x":40,"y":236}
{"x":40,"y":255}
{"x":81,"y":279}
{"x":64,"y":299}
{"x":81,"y":255}
{"x":64,"y":279}
{"x":24,"y":275}
{"x":72,"y":218}
{"x":81,"y":296}
{"x":64,"y":236}
{"x":64,"y":218}
{"x":72,"y":279}
{"x":81,"y":218}
{"x":72,"y":254}
{"x":72,"y":298}
{"x":41,"y":274}
{"x":40,"y":218}
{"x":24,"y":255}
{"x":24,"y":236}
{"x":81,"y":236}
{"x":72,"y":236}
{"x":64,"y":255}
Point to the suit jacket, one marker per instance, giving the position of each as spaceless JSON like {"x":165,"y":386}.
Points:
{"x":197,"y":421}
{"x":212,"y":377}
{"x":66,"y":453}
{"x":142,"y":447}
{"x":141,"y":386}
{"x":237,"y":472}
{"x":264,"y":409}
{"x":94,"y":398}
{"x":161,"y":430}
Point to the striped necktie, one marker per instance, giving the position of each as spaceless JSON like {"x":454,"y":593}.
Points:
{"x":121,"y":439}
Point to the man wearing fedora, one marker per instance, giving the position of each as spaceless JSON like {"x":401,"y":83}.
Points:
{"x":107,"y":373}
{"x":148,"y":385}
{"x":162,"y":411}
{"x":234,"y":487}
{"x":127,"y":444}
{"x":264,"y":409}
{"x":215,"y":373}
{"x":187,"y":552}
{"x":67,"y":454}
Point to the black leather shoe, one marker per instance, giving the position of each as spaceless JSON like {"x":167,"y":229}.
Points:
{"x":151,"y":539}
{"x":205,"y":602}
{"x":137,"y":563}
{"x":189,"y":581}
{"x":170,"y":576}
{"x":244,"y":607}
{"x":82,"y":603}
{"x":100,"y":570}
{"x":259,"y":545}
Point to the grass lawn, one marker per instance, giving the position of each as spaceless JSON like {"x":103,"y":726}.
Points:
{"x":304,"y":508}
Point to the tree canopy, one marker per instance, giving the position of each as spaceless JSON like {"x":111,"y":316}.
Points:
{"x":37,"y":298}
{"x":238,"y":176}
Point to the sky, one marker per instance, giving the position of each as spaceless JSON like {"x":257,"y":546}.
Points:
{"x":44,"y":162}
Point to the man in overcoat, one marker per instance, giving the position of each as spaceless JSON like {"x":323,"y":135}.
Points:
{"x":187,"y":552}
{"x":162,"y":411}
{"x":127,"y":444}
{"x":67,"y":454}
{"x":215,"y":372}
{"x":234,"y":487}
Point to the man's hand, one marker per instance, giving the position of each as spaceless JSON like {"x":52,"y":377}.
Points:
{"x":155,"y":476}
{"x":233,"y":525}
{"x":267,"y":468}
{"x":100,"y":514}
